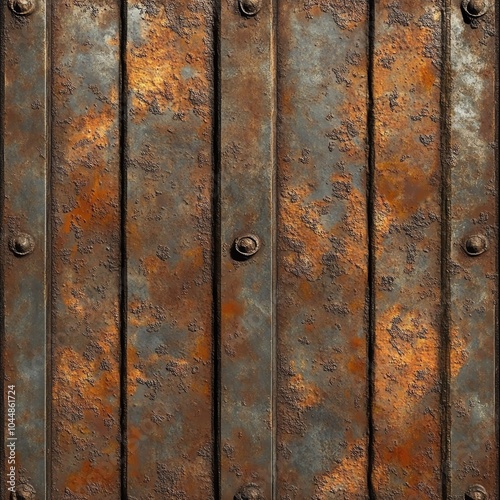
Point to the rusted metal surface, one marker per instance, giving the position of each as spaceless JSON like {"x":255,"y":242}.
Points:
{"x":169,"y":164}
{"x":247,"y":165}
{"x":85,"y":250}
{"x":406,"y":409}
{"x":274,"y":249}
{"x":24,"y":201}
{"x":473,"y":265}
{"x":322,"y":250}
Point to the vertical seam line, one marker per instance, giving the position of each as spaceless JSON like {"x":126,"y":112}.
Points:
{"x":123,"y":247}
{"x":445,"y":251}
{"x":216,"y":253}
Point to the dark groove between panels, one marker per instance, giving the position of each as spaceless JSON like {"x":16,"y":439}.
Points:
{"x":216,"y":251}
{"x":371,"y":247}
{"x":444,"y":355}
{"x":123,"y":247}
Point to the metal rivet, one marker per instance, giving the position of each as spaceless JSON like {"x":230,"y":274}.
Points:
{"x":249,"y":492}
{"x":22,"y":7}
{"x":475,"y":8}
{"x":247,"y":245}
{"x":250,"y":7}
{"x":23,"y":492}
{"x":476,"y":245}
{"x":22,"y":244}
{"x":476,"y":492}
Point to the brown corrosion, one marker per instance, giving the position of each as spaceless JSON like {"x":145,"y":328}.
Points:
{"x":406,"y":407}
{"x":169,"y":250}
{"x":85,"y":224}
{"x":322,"y":423}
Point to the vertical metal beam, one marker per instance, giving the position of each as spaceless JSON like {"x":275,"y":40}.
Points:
{"x":247,"y":176}
{"x":322,"y":422}
{"x":169,"y":245}
{"x":407,"y":250}
{"x":86,"y":242}
{"x":473,"y":264}
{"x":24,"y":230}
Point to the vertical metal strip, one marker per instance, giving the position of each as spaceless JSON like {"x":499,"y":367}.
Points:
{"x":169,"y":222}
{"x":247,"y":179}
{"x":322,"y":435}
{"x":24,"y":240}
{"x":407,"y":253}
{"x":85,"y":182}
{"x":473,"y":264}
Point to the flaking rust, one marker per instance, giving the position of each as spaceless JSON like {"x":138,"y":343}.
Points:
{"x":322,"y":250}
{"x":407,"y":247}
{"x":169,"y":168}
{"x":86,"y":250}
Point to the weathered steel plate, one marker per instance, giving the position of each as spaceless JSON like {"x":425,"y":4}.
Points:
{"x":322,"y":393}
{"x":24,"y":163}
{"x":473,"y":228}
{"x":265,"y":258}
{"x":85,"y":250}
{"x":406,"y":215}
{"x":246,"y":198}
{"x":169,"y":249}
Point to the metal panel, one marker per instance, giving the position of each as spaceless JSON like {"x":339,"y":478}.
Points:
{"x":406,"y":216}
{"x":24,"y":313}
{"x":472,"y":219}
{"x":247,"y":165}
{"x":322,"y":250}
{"x":86,"y":250}
{"x":169,"y":187}
{"x":271,"y":242}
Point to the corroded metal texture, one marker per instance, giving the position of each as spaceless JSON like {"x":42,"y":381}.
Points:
{"x":247,"y":150}
{"x":322,"y":250}
{"x":473,"y":201}
{"x":274,"y":249}
{"x":86,"y":250}
{"x":169,"y":188}
{"x":406,"y":409}
{"x":24,"y":200}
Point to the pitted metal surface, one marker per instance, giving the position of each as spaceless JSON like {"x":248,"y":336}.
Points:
{"x":250,"y":249}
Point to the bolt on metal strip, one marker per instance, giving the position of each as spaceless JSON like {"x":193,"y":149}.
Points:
{"x":24,"y":222}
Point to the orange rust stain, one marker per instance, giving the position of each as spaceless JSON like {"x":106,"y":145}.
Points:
{"x":357,"y":367}
{"x":459,"y":354}
{"x":357,"y":343}
{"x":309,"y":394}
{"x":232,"y":309}
{"x":344,"y":479}
{"x":403,"y":188}
{"x":88,"y":474}
{"x":428,"y":77}
{"x":161,"y":60}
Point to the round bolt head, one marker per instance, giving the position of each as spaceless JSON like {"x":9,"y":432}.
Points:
{"x":22,"y":7}
{"x":475,"y":8}
{"x":22,"y":244}
{"x":476,"y":492}
{"x":249,"y":492}
{"x":247,"y":245}
{"x":476,"y":245}
{"x":250,"y":7}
